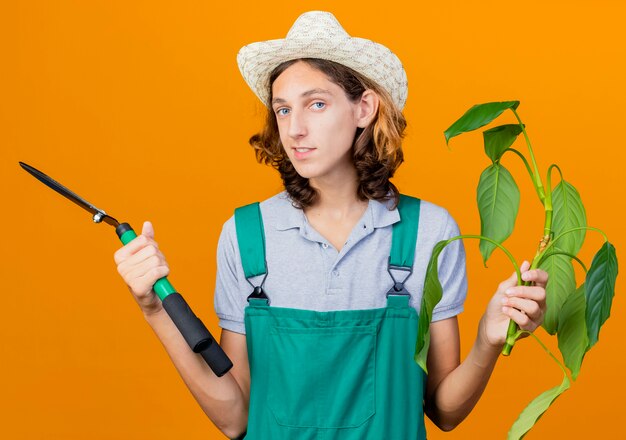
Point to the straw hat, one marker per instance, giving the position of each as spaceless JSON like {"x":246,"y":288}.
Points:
{"x":318,"y":34}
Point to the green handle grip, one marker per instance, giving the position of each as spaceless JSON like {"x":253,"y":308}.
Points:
{"x":191,"y":328}
{"x":162,"y":287}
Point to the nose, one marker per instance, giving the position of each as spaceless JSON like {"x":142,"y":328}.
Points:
{"x":297,"y":124}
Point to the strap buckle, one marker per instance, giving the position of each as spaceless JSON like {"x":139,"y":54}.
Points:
{"x":398,"y":286}
{"x":257,"y":291}
{"x":398,"y":290}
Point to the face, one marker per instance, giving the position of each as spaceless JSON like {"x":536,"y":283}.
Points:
{"x":317,"y":122}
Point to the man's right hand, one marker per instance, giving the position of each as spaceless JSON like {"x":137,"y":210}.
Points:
{"x":141,"y":264}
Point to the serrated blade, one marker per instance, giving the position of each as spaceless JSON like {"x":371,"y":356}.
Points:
{"x":98,"y":215}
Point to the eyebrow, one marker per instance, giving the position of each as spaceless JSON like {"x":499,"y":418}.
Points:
{"x":303,"y":95}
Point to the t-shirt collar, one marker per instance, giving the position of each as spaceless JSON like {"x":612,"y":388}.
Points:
{"x":377,"y":214}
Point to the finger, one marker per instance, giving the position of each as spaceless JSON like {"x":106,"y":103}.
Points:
{"x":147,"y":254}
{"x":538,"y":276}
{"x":535,"y":293}
{"x":512,"y":280}
{"x":508,"y":283}
{"x":148,"y":229}
{"x":523,"y":321}
{"x":142,"y":285}
{"x":153,"y":275}
{"x":141,"y":258}
{"x":529,"y":307}
{"x":136,"y":274}
{"x":133,"y":247}
{"x":525,"y":266}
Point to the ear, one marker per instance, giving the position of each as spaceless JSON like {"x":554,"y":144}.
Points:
{"x":367,"y":108}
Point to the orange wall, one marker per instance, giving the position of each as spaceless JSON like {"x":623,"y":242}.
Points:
{"x":140,"y":108}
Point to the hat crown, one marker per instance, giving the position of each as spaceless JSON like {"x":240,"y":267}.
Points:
{"x":318,"y":34}
{"x":315,"y":24}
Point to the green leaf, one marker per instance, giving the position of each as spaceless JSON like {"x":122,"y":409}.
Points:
{"x":431,"y":296}
{"x":568,"y":213}
{"x":499,"y":138}
{"x":498,"y":203}
{"x":561,"y":283}
{"x":600,"y":290}
{"x":535,"y":410}
{"x":572,"y":334}
{"x":478,"y":116}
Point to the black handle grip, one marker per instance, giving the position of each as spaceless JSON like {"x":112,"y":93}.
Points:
{"x":217,"y":359}
{"x":196,"y":334}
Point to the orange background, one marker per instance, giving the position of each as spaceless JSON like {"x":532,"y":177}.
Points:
{"x":139,"y":107}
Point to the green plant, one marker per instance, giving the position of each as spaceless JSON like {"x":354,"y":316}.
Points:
{"x":574,"y":314}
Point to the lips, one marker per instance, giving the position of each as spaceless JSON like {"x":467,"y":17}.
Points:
{"x":302,"y":152}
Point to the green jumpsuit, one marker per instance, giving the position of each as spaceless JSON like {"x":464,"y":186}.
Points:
{"x":336,"y":375}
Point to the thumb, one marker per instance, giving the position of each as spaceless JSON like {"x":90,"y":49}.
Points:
{"x":524,"y":267}
{"x":512,"y":280}
{"x":148,"y":230}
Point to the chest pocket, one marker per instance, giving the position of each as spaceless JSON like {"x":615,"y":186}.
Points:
{"x":322,"y":377}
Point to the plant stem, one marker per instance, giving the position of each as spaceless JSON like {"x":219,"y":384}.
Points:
{"x":573,"y":257}
{"x":547,"y":227}
{"x":521,"y":156}
{"x":546,"y":199}
{"x":537,"y":177}
{"x":530,"y":171}
{"x":561,"y":366}
{"x":505,"y":250}
{"x":511,"y":337}
{"x":572,"y":230}
{"x":512,"y":330}
{"x":512,"y":333}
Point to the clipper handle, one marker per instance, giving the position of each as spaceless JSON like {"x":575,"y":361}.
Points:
{"x":193,"y":330}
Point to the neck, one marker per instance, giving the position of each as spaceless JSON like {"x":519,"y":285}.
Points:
{"x":337,"y":194}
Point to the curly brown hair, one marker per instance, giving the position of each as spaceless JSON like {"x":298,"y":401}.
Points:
{"x":376,"y":150}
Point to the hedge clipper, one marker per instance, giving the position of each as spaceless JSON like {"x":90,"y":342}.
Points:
{"x":192,"y":329}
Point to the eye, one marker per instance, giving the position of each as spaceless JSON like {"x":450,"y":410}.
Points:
{"x":318,"y":105}
{"x":282,"y":111}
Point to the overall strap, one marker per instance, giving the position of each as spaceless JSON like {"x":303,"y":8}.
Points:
{"x":251,"y":241}
{"x":404,"y":238}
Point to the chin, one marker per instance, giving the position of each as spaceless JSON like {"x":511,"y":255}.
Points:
{"x":307,"y":172}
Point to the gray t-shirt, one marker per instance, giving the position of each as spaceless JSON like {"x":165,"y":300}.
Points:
{"x":306,"y":272}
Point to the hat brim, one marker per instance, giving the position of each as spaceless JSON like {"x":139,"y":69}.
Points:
{"x":257,"y":60}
